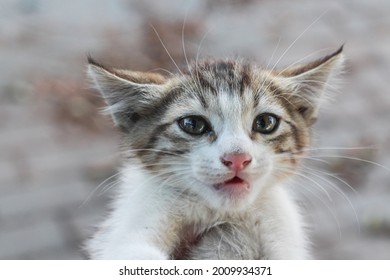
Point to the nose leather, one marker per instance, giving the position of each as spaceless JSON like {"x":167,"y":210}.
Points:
{"x":236,"y":162}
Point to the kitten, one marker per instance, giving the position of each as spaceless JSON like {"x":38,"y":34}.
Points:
{"x":206,"y":153}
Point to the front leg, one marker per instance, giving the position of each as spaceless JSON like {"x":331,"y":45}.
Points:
{"x":131,"y":242}
{"x":141,"y":233}
{"x":141,"y":250}
{"x":280,"y":226}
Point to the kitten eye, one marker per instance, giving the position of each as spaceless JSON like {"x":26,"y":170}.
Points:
{"x":265,"y":123}
{"x":194,"y":125}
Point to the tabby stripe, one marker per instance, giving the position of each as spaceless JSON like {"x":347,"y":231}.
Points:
{"x":245,"y":78}
{"x":274,"y":89}
{"x":295,"y":133}
{"x":169,"y":153}
{"x":152,"y":140}
{"x":256,"y":99}
{"x":280,"y":138}
{"x":159,"y":111}
{"x":201,"y":99}
{"x":225,"y":68}
{"x":204,"y":82}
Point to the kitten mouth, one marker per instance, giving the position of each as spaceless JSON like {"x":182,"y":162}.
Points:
{"x":235,"y":183}
{"x":235,"y":180}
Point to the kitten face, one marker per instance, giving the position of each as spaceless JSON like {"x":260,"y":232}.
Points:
{"x":223,"y":131}
{"x":224,"y":124}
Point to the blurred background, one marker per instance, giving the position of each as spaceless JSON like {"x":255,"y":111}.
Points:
{"x":56,"y":148}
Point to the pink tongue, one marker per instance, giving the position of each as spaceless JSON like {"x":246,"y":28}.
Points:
{"x":235,"y":180}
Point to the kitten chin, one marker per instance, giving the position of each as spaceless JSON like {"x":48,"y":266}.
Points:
{"x":206,"y":152}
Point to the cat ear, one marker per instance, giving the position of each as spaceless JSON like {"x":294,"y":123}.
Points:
{"x":307,"y":83}
{"x":128,"y":94}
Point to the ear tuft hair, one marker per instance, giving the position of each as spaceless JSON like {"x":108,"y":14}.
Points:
{"x":308,"y":82}
{"x":126,"y":93}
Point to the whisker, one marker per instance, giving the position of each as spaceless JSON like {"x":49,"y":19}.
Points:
{"x":166,"y":163}
{"x":331,"y":211}
{"x":316,"y":183}
{"x":297,"y":62}
{"x":300,"y":35}
{"x":182,"y":39}
{"x":291,"y":45}
{"x":165,"y":48}
{"x":339,"y":148}
{"x":135,"y":167}
{"x":336,"y":189}
{"x":109,"y":187}
{"x":273,"y":53}
{"x":353,"y":158}
{"x":308,"y":189}
{"x":197,"y":59}
{"x":284,"y":168}
{"x":162,"y":69}
{"x":335,"y":177}
{"x":157,"y":150}
{"x":89,"y":196}
{"x":297,"y":156}
{"x":172,"y":180}
{"x":200,"y":45}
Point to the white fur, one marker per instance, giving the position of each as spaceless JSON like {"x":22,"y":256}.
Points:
{"x":142,"y":213}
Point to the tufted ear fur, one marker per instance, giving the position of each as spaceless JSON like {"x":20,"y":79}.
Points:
{"x":307,"y":83}
{"x":128,"y":94}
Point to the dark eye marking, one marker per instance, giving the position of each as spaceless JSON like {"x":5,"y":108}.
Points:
{"x":135,"y":117}
{"x":266,"y":123}
{"x":194,"y":125}
{"x":280,"y":138}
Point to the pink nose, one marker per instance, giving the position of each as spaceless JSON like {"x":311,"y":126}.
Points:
{"x":236,"y":162}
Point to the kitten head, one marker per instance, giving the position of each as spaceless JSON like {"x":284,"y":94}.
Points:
{"x":222,"y":131}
